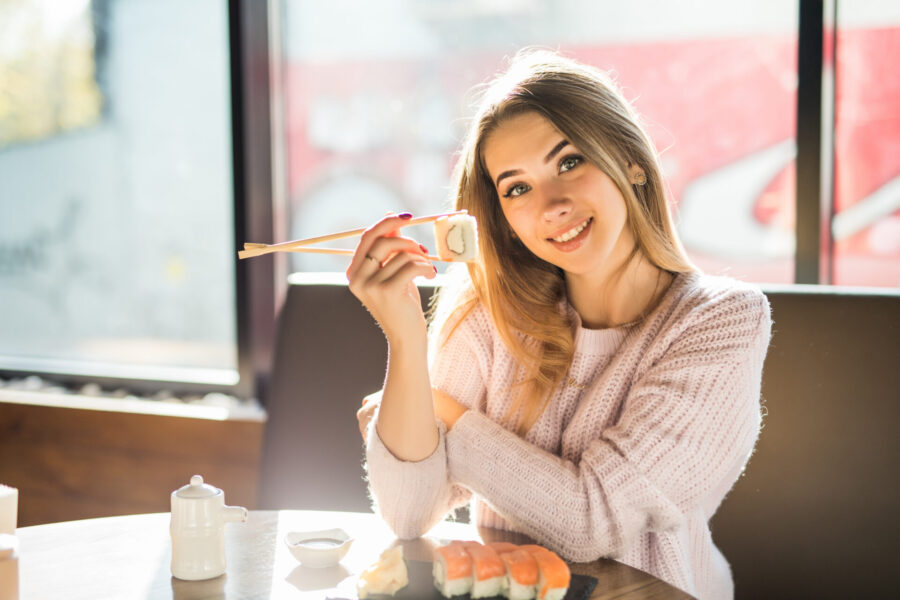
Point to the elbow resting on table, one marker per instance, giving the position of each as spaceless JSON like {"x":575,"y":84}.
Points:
{"x":405,"y":528}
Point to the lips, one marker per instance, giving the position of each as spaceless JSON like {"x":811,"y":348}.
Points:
{"x":570,"y":239}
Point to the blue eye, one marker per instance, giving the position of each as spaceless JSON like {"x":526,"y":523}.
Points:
{"x":516,"y":190}
{"x":570,"y":162}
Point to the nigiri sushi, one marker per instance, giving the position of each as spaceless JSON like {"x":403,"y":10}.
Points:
{"x":522,"y":571}
{"x":453,"y":570}
{"x":554,"y":576}
{"x":456,"y":237}
{"x":489,"y":570}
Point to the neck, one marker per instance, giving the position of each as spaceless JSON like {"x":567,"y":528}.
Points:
{"x":617,"y":298}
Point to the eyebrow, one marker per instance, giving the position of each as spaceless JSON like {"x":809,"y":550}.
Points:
{"x":556,"y":149}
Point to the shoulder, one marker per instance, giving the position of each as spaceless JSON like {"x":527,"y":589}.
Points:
{"x":716,"y":310}
{"x":699,"y":297}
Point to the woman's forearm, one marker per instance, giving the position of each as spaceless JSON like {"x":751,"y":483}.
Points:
{"x":406,"y":421}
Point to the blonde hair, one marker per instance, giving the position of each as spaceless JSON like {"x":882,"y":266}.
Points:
{"x":521,"y":292}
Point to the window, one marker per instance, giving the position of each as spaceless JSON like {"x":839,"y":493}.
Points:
{"x":116,"y":213}
{"x":375,"y":100}
{"x":117,"y":196}
{"x":866,"y":223}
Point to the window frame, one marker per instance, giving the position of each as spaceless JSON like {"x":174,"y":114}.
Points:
{"x":258,"y":183}
{"x":254,"y":210}
{"x":813,"y":196}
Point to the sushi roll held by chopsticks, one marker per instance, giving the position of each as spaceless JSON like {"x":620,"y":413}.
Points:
{"x":456,"y":237}
{"x":455,"y":234}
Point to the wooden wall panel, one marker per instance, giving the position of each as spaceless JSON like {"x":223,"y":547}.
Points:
{"x":72,"y":463}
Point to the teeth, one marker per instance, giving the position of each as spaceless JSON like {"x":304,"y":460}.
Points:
{"x":572,"y":232}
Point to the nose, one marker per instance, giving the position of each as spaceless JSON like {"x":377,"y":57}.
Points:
{"x":557,"y":205}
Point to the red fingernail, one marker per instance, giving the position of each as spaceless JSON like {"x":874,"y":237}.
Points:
{"x":423,"y":249}
{"x":435,"y":269}
{"x":405,"y":215}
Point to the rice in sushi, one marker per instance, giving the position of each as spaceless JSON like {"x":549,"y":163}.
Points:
{"x":517,"y":572}
{"x":489,"y":571}
{"x":456,"y":237}
{"x":553,"y":582}
{"x":453,"y":570}
{"x":522,"y":570}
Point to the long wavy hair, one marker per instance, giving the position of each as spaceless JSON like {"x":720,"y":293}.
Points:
{"x":521,"y":291}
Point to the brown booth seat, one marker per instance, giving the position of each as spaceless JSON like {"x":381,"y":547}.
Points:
{"x":813,"y":517}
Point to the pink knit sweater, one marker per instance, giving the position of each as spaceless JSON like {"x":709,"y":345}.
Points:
{"x":630,"y":463}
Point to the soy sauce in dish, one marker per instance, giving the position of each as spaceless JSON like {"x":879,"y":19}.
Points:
{"x":320,"y":543}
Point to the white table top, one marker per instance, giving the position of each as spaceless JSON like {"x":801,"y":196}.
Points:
{"x":129,"y":557}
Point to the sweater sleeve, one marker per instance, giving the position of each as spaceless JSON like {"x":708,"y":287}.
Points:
{"x":685,"y":431}
{"x":412,"y":497}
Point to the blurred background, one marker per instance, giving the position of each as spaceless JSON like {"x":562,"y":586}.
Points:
{"x":143,"y":142}
{"x":118,"y":145}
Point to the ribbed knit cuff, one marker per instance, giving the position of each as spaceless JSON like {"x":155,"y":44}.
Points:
{"x":635,"y":503}
{"x":408,"y":495}
{"x":485,"y":457}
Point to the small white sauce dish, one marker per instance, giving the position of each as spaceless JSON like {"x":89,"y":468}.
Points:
{"x":318,"y":549}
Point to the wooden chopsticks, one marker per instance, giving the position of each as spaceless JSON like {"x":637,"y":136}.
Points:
{"x":253,"y":249}
{"x":344,"y":251}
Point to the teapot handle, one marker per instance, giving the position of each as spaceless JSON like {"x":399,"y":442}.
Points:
{"x":234,"y":514}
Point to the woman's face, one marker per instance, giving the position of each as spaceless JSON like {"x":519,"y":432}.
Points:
{"x":563,"y":208}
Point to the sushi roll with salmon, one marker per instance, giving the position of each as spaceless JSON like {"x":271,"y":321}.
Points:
{"x":554,"y":578}
{"x":501,"y":547}
{"x":486,"y":570}
{"x":523,"y":574}
{"x":453,"y":570}
{"x":489,"y":571}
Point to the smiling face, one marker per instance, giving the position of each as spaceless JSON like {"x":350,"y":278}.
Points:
{"x":562,"y":207}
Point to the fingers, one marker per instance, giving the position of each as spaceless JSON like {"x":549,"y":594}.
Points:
{"x":386,"y":258}
{"x":373,"y":397}
{"x":403,"y":267}
{"x":381,"y":273}
{"x":364,"y":416}
{"x":385,"y":248}
{"x":388,"y":226}
{"x":367,"y":411}
{"x":380,"y":253}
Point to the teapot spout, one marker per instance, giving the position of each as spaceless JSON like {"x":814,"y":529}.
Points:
{"x":234,"y":514}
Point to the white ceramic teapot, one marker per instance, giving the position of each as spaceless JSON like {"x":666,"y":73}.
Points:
{"x":197,"y":527}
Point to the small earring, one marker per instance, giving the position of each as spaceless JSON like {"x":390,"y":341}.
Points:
{"x":638,"y":177}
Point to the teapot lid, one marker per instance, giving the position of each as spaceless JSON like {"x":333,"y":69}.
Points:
{"x":197,"y":489}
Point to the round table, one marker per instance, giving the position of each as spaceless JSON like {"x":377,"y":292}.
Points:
{"x":129,"y":557}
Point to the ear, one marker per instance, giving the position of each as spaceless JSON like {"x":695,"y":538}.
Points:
{"x":636,"y":174}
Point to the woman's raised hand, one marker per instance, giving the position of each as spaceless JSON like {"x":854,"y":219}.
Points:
{"x":381,"y":275}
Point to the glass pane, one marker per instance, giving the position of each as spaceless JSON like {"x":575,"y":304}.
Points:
{"x":116,"y":244}
{"x":376,"y":101}
{"x":866,"y":226}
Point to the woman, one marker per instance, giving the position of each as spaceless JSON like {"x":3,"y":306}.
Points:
{"x":583,"y":381}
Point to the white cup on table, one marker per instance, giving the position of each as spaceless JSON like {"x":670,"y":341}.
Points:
{"x":9,"y":509}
